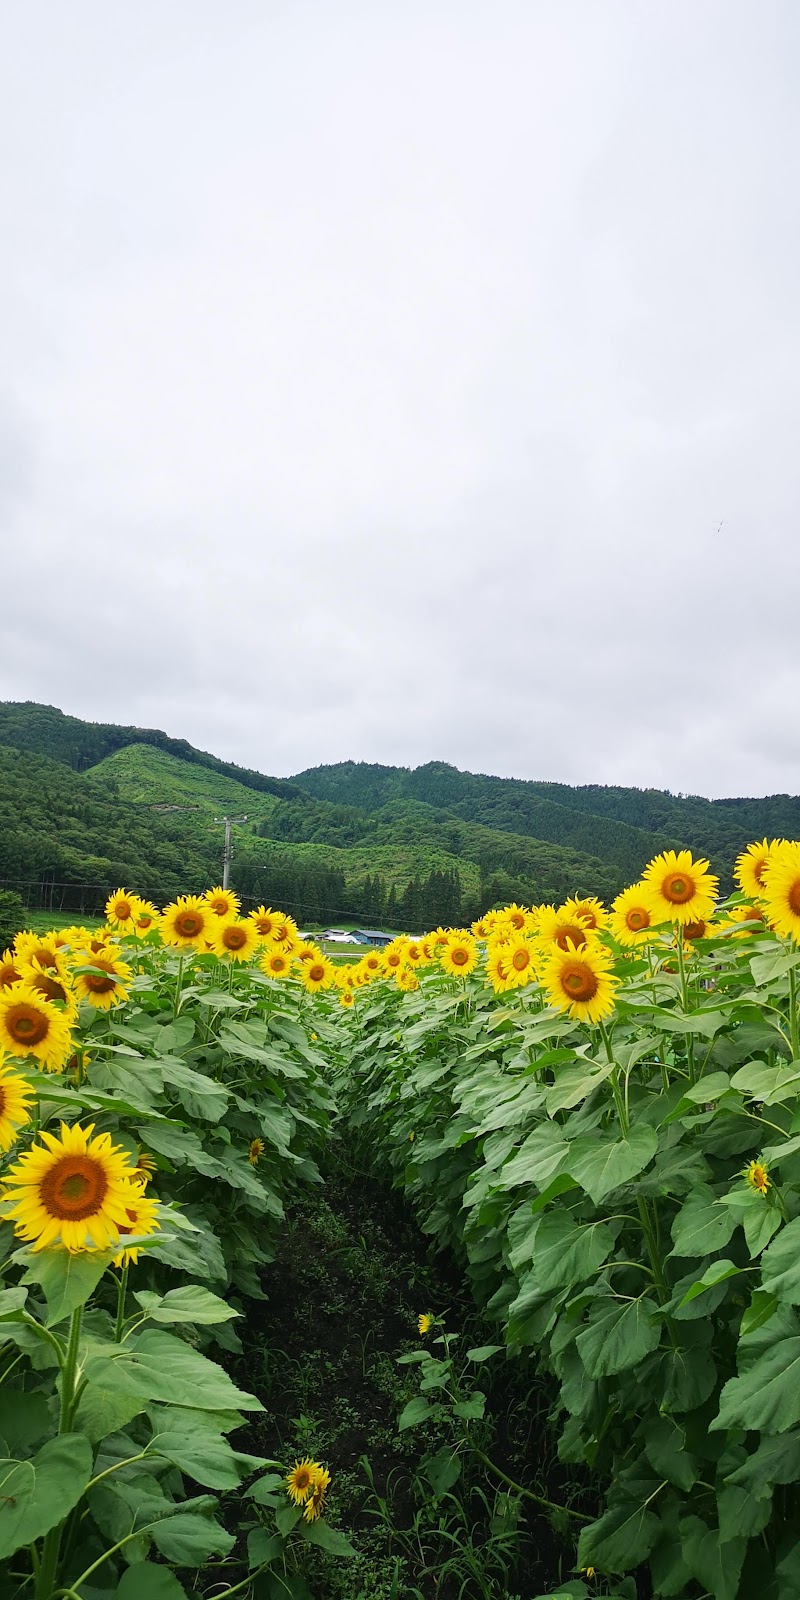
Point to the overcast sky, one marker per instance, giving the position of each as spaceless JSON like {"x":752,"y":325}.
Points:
{"x":407,"y":380}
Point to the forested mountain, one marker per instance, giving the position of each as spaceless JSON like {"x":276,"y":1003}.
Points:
{"x":87,"y":806}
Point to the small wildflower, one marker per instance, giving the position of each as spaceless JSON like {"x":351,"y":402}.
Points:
{"x":255,"y":1152}
{"x":425,"y":1322}
{"x":756,"y":1175}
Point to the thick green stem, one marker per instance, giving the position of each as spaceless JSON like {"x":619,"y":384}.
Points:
{"x":538,"y":1499}
{"x":178,"y":986}
{"x":48,"y":1566}
{"x":793,"y":1027}
{"x":685,"y":1003}
{"x":121,"y":1292}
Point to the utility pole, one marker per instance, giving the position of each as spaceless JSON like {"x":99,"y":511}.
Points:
{"x":226,"y":859}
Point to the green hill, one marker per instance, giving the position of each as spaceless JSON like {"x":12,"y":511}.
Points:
{"x":87,"y":806}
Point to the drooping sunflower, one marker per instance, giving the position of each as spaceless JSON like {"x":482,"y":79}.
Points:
{"x":142,"y":1215}
{"x":30,"y":1025}
{"x":631,"y":920}
{"x":145,"y":1167}
{"x":255,"y":1151}
{"x":103,"y":980}
{"x":519,"y":959}
{"x":562,"y":927}
{"x":275,"y":962}
{"x":15,"y":1098}
{"x":315,"y":1503}
{"x":74,"y":1190}
{"x":781,"y":893}
{"x":186,"y":922}
{"x":300,"y":1481}
{"x":234,"y":941}
{"x":591,"y":911}
{"x":264,"y":920}
{"x":223,"y":902}
{"x":460,"y":955}
{"x":678,"y":889}
{"x":317,"y":974}
{"x":10,"y":970}
{"x":578,"y":981}
{"x":120,"y":910}
{"x":752,"y":865}
{"x":424,"y":1322}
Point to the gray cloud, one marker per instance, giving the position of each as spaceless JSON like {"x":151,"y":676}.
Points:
{"x":408,"y":382}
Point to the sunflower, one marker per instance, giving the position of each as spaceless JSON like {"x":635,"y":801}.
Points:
{"x":516,"y":916}
{"x":781,"y":892}
{"x":742,"y":921}
{"x":285,"y":932}
{"x":223,"y":902}
{"x":145,"y":1167}
{"x":752,"y":866}
{"x":301,"y":1480}
{"x":120,"y":910}
{"x":37,"y":947}
{"x":347,"y":998}
{"x":10,"y":970}
{"x":255,"y":1151}
{"x":578,"y":981}
{"x":305,"y":950}
{"x":55,"y":984}
{"x":591,"y":911}
{"x":758,"y":1177}
{"x":142,"y":1218}
{"x":186,"y":922}
{"x":406,"y":979}
{"x":415,"y":954}
{"x":104,"y":981}
{"x":460,"y":955}
{"x":145,"y":917}
{"x":563,"y":927}
{"x":15,"y":1098}
{"x":276,"y":963}
{"x":424,"y":1322}
{"x":679,"y":889}
{"x":234,"y":941}
{"x":74,"y":1190}
{"x":481,"y":928}
{"x":519,"y":962}
{"x":631,"y":921}
{"x":317,"y":974}
{"x":497,"y":969}
{"x":315,"y":1503}
{"x":264,"y":920}
{"x":33,"y":1026}
{"x":394,"y":958}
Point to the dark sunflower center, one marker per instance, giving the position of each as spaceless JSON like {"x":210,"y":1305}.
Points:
{"x":49,"y":987}
{"x":220,"y":907}
{"x":234,"y":938}
{"x":637,"y":918}
{"x":459,"y":956}
{"x":101,"y":984}
{"x":694,"y":930}
{"x":316,"y":973}
{"x":574,"y":931}
{"x":188,"y":924}
{"x":2,"y":1101}
{"x":123,"y":910}
{"x":579,"y":982}
{"x":9,"y":976}
{"x":26,"y":1025}
{"x":677,"y":888}
{"x":264,"y":924}
{"x":74,"y":1188}
{"x":794,"y":897}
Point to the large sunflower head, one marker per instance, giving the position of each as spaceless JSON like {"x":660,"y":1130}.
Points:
{"x":103,"y":980}
{"x":15,"y":1100}
{"x":186,"y":922}
{"x":285,"y":932}
{"x":631,"y":919}
{"x":55,"y":983}
{"x":562,"y":927}
{"x":264,"y":920}
{"x":38,"y":947}
{"x":302,"y":1478}
{"x":459,"y":956}
{"x":121,"y":909}
{"x":679,"y":889}
{"x":752,"y":866}
{"x":31,"y":1026}
{"x":234,"y":940}
{"x":519,"y":960}
{"x":578,"y":981}
{"x":317,"y":974}
{"x":406,"y":979}
{"x":276,"y":962}
{"x":223,"y":902}
{"x":781,"y":892}
{"x":74,"y":1190}
{"x":142,"y":1216}
{"x":497,"y":968}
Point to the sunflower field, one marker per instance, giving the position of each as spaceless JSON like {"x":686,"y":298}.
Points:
{"x":595,"y":1111}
